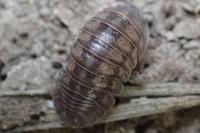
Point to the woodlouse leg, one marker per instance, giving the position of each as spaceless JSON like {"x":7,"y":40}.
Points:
{"x":150,"y":19}
{"x":136,"y":74}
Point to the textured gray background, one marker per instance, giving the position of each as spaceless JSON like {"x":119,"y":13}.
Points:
{"x":35,"y":35}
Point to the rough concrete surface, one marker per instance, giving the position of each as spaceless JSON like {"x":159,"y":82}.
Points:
{"x":35,"y":36}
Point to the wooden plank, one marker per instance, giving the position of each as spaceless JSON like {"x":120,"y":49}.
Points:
{"x":157,"y":90}
{"x":136,"y":108}
{"x":162,"y":89}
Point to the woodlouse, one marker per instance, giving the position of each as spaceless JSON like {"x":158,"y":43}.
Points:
{"x":106,"y":52}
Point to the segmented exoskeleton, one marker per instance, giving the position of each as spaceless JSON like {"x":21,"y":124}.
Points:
{"x":106,"y":52}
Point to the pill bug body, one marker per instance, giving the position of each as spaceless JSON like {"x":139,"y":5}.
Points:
{"x":104,"y":55}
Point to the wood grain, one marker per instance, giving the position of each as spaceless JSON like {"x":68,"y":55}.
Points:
{"x":166,"y":97}
{"x":157,"y":89}
{"x":135,"y":108}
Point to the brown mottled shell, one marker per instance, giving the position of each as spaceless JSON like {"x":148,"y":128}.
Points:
{"x":105,"y":53}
